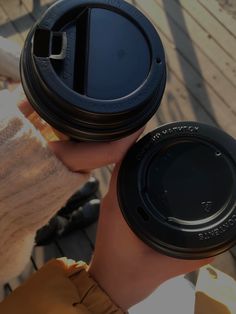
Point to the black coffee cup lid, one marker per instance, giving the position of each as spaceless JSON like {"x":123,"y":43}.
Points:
{"x":94,"y":69}
{"x":177,"y":190}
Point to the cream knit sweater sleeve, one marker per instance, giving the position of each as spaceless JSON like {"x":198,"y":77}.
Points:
{"x":34,"y":184}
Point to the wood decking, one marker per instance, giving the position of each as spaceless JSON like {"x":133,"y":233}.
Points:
{"x":200,"y":43}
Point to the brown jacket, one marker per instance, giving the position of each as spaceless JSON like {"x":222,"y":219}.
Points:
{"x":60,"y":287}
{"x":65,"y":287}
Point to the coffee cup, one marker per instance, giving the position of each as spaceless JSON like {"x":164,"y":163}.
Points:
{"x":94,"y":70}
{"x":177,"y":190}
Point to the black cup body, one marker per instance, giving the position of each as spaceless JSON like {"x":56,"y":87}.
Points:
{"x":94,"y":70}
{"x":177,"y":190}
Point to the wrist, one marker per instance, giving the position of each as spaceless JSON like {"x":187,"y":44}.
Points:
{"x":126,"y":283}
{"x":125,"y":268}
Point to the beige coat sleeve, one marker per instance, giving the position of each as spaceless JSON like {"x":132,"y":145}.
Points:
{"x":34,"y":184}
{"x":10,"y":58}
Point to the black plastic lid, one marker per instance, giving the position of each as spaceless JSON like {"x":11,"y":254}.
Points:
{"x":94,"y":70}
{"x":177,"y":190}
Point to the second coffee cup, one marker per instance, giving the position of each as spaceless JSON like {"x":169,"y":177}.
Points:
{"x":177,"y":190}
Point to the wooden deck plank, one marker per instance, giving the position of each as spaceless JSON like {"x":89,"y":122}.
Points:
{"x":19,"y":16}
{"x":37,"y":7}
{"x":226,"y":263}
{"x":196,"y":34}
{"x":180,"y":105}
{"x":220,"y":14}
{"x":198,"y":60}
{"x":76,"y":246}
{"x":210,"y":24}
{"x":7,"y":29}
{"x":43,"y":254}
{"x":91,"y":232}
{"x":28,"y":271}
{"x":222,"y":115}
{"x":195,"y":84}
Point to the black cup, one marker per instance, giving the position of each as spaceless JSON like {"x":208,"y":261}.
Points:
{"x":177,"y":190}
{"x":94,"y":70}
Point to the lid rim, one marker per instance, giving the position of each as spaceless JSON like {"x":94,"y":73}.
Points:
{"x":74,"y":132}
{"x":202,"y":240}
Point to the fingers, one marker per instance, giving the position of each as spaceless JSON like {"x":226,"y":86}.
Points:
{"x":88,"y":156}
{"x":80,"y":156}
{"x":25,"y":108}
